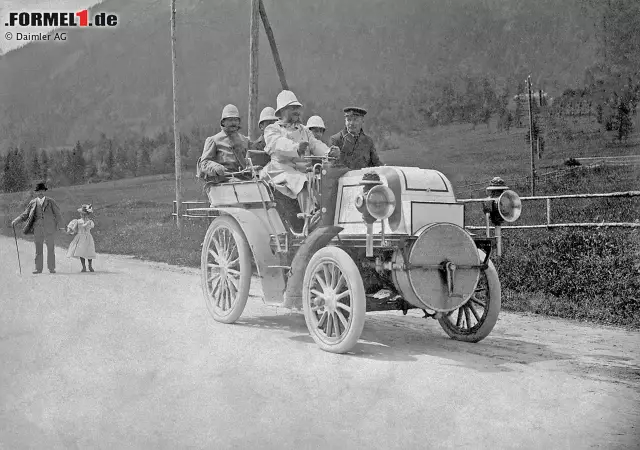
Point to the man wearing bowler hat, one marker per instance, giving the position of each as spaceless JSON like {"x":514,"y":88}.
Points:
{"x":357,"y":150}
{"x":43,"y":218}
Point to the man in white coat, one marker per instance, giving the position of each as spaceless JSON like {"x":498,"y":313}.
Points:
{"x":287,"y":141}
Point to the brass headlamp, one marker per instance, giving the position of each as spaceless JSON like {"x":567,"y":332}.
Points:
{"x":502,"y":205}
{"x":376,"y":202}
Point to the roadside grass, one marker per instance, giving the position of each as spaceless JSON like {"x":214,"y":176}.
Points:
{"x":577,"y":274}
{"x":132,"y":216}
{"x":572,"y":274}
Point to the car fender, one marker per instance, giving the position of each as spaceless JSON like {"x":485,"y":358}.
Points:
{"x":259,"y":238}
{"x":318,"y":238}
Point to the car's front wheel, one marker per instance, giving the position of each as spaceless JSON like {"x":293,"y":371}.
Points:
{"x":333,"y":299}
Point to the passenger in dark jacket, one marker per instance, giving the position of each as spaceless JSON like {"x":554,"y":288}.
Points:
{"x":357,"y":150}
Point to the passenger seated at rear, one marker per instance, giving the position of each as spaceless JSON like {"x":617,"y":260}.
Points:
{"x":226,"y":151}
{"x":267,"y":117}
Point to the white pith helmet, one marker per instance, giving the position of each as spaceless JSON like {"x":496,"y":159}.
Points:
{"x":267,"y":113}
{"x":315,"y":122}
{"x":229,"y":111}
{"x":286,"y":98}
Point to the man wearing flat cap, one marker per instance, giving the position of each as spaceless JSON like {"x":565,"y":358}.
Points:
{"x":43,"y":218}
{"x":357,"y":150}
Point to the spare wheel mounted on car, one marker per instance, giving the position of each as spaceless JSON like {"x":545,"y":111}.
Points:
{"x":442,"y":268}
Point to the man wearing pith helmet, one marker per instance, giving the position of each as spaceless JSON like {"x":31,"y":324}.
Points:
{"x":287,"y":141}
{"x":357,"y":149}
{"x":226,"y":151}
{"x":315,"y":124}
{"x":267,"y":117}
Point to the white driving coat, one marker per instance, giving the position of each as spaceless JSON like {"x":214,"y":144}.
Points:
{"x":287,"y":170}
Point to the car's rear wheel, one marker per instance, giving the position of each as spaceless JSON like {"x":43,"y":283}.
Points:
{"x":225,"y":268}
{"x":475,"y":319}
{"x":333,"y":299}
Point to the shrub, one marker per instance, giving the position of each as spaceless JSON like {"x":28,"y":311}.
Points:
{"x":572,"y":162}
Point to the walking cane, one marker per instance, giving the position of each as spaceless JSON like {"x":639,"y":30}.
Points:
{"x":17,"y":251}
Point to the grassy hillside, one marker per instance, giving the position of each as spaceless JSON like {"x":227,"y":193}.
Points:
{"x":334,"y":52}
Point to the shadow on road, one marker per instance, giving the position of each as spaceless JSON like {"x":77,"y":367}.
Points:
{"x":87,"y":274}
{"x":288,"y":322}
{"x":404,"y":339}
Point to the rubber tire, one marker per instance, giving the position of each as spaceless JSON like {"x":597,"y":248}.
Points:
{"x":244,"y":260}
{"x":358,"y":298}
{"x":490,"y":319}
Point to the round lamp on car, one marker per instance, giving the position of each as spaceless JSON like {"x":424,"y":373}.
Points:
{"x":509,"y":206}
{"x":381,"y":202}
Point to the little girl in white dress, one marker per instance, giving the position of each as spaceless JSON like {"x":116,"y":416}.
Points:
{"x":82,"y":245}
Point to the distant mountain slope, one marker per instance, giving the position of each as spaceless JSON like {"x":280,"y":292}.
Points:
{"x":334,"y":52}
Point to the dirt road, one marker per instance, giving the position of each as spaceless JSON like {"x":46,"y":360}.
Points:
{"x":128,"y":357}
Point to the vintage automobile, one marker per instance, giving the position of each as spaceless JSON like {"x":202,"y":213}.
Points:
{"x":387,"y":238}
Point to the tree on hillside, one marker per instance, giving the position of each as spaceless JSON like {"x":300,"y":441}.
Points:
{"x":7,"y":184}
{"x":143,"y":162}
{"x":90,"y":170}
{"x":36,"y":170}
{"x":28,"y":153}
{"x":505,"y":118}
{"x":109,"y":163}
{"x":625,"y":125}
{"x":120,"y":162}
{"x":77,"y":164}
{"x":59,"y":168}
{"x":15,"y":173}
{"x":44,"y":165}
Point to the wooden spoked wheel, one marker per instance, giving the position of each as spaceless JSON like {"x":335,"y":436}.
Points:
{"x":225,"y":269}
{"x":334,"y":300}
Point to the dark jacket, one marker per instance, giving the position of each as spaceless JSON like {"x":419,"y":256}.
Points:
{"x":356,"y":152}
{"x":45,"y":219}
{"x":258,"y":144}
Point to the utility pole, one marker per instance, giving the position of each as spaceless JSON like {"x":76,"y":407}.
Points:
{"x":274,"y":49}
{"x":176,"y":129}
{"x":540,"y":113}
{"x":252,"y":117}
{"x":533,"y":162}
